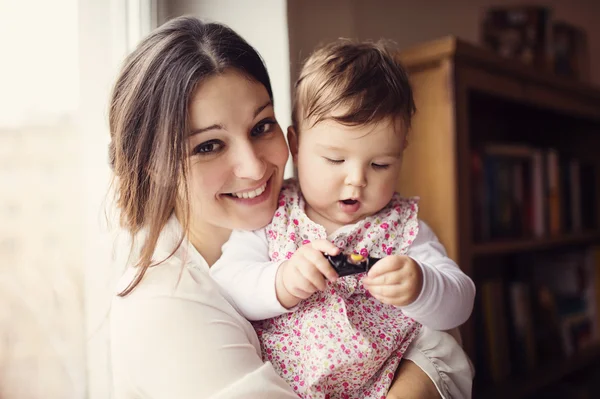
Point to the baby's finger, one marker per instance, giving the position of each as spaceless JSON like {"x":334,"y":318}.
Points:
{"x":394,"y":277}
{"x":326,"y":247}
{"x":386,"y":293}
{"x":311,"y":273}
{"x":322,"y":264}
{"x":385,"y":265}
{"x":299,"y":285}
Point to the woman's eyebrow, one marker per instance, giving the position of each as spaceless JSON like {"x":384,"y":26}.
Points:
{"x":262,"y":107}
{"x":204,"y":129}
{"x":219,"y":126}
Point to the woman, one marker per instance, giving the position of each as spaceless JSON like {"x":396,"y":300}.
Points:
{"x":196,"y":151}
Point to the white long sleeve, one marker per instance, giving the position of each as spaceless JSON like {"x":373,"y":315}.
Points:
{"x":447,"y":298}
{"x":177,"y":336}
{"x":247,"y":276}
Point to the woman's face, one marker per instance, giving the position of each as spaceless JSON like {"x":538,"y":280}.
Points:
{"x":237,"y":154}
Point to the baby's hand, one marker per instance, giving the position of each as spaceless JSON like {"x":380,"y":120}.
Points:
{"x":305,"y":272}
{"x":395,"y":280}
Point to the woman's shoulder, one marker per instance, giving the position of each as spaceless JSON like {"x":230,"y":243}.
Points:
{"x":172,"y":280}
{"x":171,"y":290}
{"x":179,"y":273}
{"x":177,"y":318}
{"x":175,"y":286}
{"x":179,"y":283}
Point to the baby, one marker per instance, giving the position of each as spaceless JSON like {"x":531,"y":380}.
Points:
{"x":344,"y":337}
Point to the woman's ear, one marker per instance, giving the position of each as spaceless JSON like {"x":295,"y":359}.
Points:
{"x":292,"y":137}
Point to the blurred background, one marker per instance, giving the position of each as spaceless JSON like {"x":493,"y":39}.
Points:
{"x":507,"y":141}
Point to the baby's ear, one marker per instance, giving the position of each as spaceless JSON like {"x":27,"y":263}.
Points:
{"x":292,"y":137}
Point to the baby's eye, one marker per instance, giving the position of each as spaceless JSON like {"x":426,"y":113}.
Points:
{"x":380,"y":166}
{"x":334,"y":161}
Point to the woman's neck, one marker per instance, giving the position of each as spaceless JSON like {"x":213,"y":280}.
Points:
{"x":207,"y":239}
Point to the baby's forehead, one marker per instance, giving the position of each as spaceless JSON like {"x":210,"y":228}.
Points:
{"x":385,"y":137}
{"x":392,"y":126}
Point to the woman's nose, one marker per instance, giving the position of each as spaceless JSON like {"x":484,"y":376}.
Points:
{"x":249,"y":164}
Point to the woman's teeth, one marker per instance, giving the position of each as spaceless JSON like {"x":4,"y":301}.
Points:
{"x":251,"y":194}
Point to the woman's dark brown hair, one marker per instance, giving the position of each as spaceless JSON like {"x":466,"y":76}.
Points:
{"x":149,"y":120}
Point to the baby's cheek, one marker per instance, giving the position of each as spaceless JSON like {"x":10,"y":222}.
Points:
{"x":385,"y":192}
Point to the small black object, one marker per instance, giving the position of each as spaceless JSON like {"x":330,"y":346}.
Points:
{"x":345,"y":266}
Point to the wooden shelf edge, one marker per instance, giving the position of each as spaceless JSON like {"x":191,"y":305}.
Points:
{"x":520,"y":387}
{"x":531,"y":244}
{"x":472,"y":53}
{"x":430,"y":52}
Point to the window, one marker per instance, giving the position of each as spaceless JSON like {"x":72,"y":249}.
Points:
{"x":41,"y":317}
{"x":59,"y":59}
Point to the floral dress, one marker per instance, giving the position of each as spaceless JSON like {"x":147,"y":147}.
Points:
{"x":342,"y":342}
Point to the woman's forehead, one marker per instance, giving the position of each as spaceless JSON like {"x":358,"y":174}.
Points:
{"x":228,"y":97}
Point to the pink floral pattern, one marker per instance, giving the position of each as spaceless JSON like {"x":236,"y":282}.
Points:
{"x":340,"y":343}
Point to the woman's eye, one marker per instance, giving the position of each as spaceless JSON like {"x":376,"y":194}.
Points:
{"x":334,"y":161}
{"x":209,"y":147}
{"x":263,"y":127}
{"x":380,"y":166}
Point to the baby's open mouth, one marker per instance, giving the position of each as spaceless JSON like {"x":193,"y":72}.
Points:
{"x":349,"y":205}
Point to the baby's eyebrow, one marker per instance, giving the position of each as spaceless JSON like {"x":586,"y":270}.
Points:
{"x":394,"y":154}
{"x":331,"y":147}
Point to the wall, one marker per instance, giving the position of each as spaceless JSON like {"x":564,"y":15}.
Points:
{"x":263,"y":23}
{"x":285,"y":32}
{"x":411,"y":22}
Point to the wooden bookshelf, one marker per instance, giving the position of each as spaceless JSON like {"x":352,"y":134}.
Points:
{"x":536,"y":244}
{"x":466,"y":97}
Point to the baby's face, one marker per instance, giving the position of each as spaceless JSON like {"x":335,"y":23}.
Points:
{"x":347,"y":173}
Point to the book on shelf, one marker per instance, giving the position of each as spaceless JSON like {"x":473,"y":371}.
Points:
{"x":523,"y":191}
{"x":494,"y":324}
{"x":545,"y":309}
{"x":569,"y":277}
{"x":523,"y":349}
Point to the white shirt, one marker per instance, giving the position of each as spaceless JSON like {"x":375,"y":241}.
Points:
{"x":248,"y":278}
{"x":177,"y":337}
